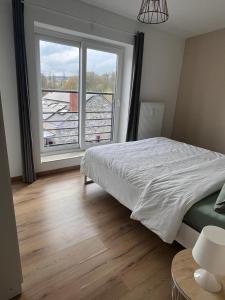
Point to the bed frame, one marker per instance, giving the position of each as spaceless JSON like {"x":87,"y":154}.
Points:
{"x":87,"y":181}
{"x":187,"y":236}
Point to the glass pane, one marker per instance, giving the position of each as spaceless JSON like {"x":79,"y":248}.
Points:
{"x":60,"y":97}
{"x":100,"y":90}
{"x":60,"y":118}
{"x":59,"y":66}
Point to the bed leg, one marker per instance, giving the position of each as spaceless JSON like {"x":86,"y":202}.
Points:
{"x":86,"y":181}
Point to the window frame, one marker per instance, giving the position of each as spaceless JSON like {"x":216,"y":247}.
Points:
{"x":83,"y":44}
{"x":87,"y":44}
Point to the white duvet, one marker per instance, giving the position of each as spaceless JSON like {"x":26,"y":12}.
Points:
{"x":171,"y":176}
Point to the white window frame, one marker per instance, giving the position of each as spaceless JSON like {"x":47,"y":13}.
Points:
{"x":87,"y":44}
{"x":83,"y":44}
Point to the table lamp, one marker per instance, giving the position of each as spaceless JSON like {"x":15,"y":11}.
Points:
{"x":209,"y":253}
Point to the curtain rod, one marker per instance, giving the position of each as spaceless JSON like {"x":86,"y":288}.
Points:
{"x":91,"y":23}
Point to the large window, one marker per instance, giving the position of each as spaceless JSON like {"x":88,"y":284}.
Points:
{"x":79,"y":88}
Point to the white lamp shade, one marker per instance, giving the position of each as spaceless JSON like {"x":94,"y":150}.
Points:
{"x":209,"y":250}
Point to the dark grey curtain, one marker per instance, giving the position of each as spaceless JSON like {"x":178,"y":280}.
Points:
{"x":23,"y":92}
{"x":132,"y":129}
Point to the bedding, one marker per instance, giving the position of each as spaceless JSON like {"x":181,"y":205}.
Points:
{"x":220,"y":201}
{"x":168,"y":176}
{"x":202,"y":213}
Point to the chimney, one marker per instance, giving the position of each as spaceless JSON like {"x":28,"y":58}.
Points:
{"x":74,"y":107}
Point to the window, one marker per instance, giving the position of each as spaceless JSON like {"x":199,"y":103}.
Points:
{"x":100,"y":91}
{"x":60,"y":69}
{"x":79,"y":90}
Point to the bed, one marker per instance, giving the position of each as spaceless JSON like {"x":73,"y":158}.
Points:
{"x":161,"y":181}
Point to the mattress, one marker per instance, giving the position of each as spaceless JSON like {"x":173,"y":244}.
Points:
{"x":126,"y":193}
{"x":203,"y":213}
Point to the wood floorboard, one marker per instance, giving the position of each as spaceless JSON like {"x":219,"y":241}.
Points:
{"x":78,"y":242}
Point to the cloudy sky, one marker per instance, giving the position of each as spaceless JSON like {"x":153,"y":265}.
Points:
{"x":63,"y":60}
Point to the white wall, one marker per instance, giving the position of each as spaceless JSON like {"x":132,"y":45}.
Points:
{"x":163,"y":56}
{"x":124,"y":105}
{"x":8,"y":88}
{"x":79,"y":16}
{"x":161,"y":68}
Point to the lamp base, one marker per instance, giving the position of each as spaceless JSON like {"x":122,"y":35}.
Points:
{"x":208,"y":281}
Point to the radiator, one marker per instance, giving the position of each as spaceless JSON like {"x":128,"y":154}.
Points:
{"x":151,"y":120}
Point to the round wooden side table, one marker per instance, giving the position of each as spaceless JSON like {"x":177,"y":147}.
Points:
{"x":184,"y":285}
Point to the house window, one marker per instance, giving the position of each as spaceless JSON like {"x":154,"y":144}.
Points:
{"x":79,"y":87}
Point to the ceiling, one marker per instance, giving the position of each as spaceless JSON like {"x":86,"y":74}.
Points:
{"x":187,"y":17}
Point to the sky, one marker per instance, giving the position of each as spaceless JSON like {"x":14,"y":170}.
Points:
{"x":60,"y":60}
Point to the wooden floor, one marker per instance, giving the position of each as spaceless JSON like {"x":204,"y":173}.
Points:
{"x":78,"y":242}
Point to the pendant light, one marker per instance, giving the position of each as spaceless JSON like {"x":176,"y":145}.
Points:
{"x":153,"y":12}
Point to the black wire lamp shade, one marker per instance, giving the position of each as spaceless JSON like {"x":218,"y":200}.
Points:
{"x":153,"y":12}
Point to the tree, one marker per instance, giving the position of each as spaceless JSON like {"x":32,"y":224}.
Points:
{"x":104,"y":83}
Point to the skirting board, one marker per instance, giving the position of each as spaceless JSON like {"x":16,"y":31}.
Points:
{"x":46,"y":173}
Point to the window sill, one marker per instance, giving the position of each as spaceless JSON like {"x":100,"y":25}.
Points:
{"x":62,"y":156}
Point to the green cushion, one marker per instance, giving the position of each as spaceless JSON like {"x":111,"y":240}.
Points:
{"x":203,"y":213}
{"x":220,"y":202}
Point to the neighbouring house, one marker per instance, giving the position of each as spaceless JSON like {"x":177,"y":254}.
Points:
{"x":60,"y":111}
